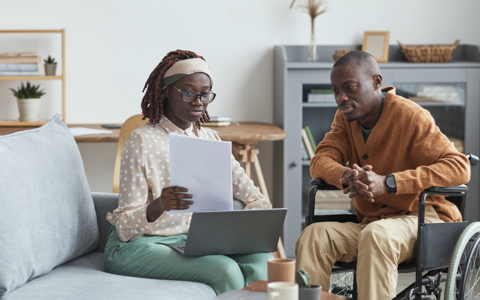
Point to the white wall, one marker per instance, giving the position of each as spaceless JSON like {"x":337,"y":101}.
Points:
{"x":112,"y":46}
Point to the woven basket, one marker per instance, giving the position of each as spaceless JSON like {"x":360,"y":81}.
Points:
{"x":430,"y":53}
{"x":341,"y":52}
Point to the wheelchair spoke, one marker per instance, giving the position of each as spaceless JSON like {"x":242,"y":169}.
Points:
{"x":341,"y":283}
{"x":472,"y":271}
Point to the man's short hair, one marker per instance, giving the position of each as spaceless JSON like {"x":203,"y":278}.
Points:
{"x":363,"y":59}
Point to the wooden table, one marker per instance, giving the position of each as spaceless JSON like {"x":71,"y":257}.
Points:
{"x":258,"y":291}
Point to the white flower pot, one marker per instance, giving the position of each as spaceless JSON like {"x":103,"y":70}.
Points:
{"x":28,"y":109}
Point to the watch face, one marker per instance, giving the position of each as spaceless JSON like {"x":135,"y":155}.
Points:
{"x":391,"y":182}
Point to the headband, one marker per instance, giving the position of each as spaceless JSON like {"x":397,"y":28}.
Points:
{"x":184,"y":68}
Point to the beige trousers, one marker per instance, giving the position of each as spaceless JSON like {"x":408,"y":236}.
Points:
{"x":377,"y":247}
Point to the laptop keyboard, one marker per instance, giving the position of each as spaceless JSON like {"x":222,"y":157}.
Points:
{"x":181,"y":248}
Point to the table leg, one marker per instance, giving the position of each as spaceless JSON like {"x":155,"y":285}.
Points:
{"x":247,"y":153}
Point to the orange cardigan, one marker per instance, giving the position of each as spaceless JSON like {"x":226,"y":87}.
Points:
{"x":405,"y":142}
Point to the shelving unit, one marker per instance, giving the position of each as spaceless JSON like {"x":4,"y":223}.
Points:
{"x":22,"y":78}
{"x":293,"y":76}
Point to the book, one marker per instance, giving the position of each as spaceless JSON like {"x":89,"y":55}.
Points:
{"x":321,"y":98}
{"x":218,"y":119}
{"x":18,"y":67}
{"x":321,"y":95}
{"x":307,"y":143}
{"x":20,"y":59}
{"x":310,"y":137}
{"x":217,"y":123}
{"x":19,"y":73}
{"x":332,"y":200}
{"x":305,"y":155}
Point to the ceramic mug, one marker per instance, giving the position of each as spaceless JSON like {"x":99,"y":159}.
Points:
{"x":312,"y":293}
{"x":281,"y":269}
{"x":282,"y":291}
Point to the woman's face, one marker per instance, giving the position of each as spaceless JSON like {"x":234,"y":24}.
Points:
{"x":182,"y":113}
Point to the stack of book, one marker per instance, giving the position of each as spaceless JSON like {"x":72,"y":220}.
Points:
{"x":308,"y":145}
{"x":19,"y":64}
{"x":321,"y":95}
{"x":219,"y":121}
{"x":332,"y":200}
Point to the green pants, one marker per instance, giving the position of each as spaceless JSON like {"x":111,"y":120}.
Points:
{"x":151,"y":257}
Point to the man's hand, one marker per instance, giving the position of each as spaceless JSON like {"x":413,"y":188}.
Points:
{"x":364,"y":182}
{"x":376,"y":183}
{"x":356,"y":188}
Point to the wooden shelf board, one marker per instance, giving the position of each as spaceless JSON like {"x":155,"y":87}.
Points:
{"x":17,"y":123}
{"x":319,"y":104}
{"x":33,"y":31}
{"x":5,"y":78}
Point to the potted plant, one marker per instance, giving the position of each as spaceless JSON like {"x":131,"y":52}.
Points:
{"x":50,"y":66}
{"x":28,"y":99}
{"x":306,"y":290}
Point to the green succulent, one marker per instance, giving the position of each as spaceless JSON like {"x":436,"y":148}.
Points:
{"x":50,"y":60}
{"x":28,"y":91}
{"x":302,"y":278}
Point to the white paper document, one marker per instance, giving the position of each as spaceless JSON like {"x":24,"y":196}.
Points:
{"x":76,"y":131}
{"x":204,"y":167}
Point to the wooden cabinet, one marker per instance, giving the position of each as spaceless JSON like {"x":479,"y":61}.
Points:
{"x":294,"y":76}
{"x":26,"y":78}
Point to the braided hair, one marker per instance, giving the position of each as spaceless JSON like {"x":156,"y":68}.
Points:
{"x":153,"y":100}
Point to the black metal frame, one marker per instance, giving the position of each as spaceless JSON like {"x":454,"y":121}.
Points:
{"x":434,"y":259}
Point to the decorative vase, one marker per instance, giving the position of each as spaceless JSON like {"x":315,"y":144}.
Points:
{"x":312,"y":293}
{"x":312,"y":48}
{"x":28,"y":109}
{"x":50,"y":69}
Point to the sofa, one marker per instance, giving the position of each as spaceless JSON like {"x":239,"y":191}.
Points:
{"x":53,"y":230}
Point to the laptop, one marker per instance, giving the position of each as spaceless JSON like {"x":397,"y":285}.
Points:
{"x":233,"y":232}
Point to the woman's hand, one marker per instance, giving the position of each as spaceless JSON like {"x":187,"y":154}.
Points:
{"x":170,"y":199}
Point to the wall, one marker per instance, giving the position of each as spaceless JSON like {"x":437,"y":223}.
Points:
{"x":112,"y":46}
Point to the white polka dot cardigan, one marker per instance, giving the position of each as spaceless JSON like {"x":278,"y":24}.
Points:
{"x":145,"y":171}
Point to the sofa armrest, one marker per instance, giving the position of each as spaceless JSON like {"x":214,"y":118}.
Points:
{"x":104,"y":203}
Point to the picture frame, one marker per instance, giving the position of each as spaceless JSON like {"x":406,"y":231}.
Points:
{"x":376,"y":43}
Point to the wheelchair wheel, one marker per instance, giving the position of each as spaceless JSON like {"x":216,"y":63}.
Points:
{"x":463,"y":279}
{"x":341,"y":283}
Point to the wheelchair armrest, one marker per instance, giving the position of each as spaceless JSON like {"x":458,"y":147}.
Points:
{"x":449,"y":191}
{"x":322,"y":185}
{"x":454,"y":190}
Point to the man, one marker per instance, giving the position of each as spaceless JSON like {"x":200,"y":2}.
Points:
{"x":402,"y":153}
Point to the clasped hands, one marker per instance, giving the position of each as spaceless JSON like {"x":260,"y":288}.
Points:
{"x":363,"y":182}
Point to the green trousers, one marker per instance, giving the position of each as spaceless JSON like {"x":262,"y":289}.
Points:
{"x":151,"y":257}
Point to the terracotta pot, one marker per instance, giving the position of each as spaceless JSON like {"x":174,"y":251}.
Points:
{"x":50,"y":69}
{"x":28,"y":109}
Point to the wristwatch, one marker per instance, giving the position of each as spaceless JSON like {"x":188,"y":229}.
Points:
{"x":390,"y":182}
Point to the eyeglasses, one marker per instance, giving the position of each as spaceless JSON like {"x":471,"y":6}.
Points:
{"x":190,"y":96}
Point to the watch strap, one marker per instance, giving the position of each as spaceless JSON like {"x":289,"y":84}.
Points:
{"x":391,"y":184}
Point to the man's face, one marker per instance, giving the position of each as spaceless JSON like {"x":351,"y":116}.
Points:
{"x":354,"y":91}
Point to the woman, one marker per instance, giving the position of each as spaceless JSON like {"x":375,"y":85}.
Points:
{"x":176,"y":100}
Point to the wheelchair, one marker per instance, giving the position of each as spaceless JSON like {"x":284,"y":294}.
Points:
{"x":438,"y":258}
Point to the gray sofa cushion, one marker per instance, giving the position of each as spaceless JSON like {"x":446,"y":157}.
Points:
{"x":85,"y":278}
{"x":47,"y":215}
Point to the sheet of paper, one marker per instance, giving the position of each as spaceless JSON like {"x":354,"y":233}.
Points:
{"x":204,"y":167}
{"x":76,"y":131}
